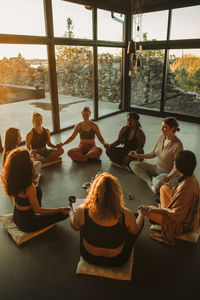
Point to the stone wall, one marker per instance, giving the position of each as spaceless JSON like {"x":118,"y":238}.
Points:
{"x":146,"y":89}
{"x":75,"y":77}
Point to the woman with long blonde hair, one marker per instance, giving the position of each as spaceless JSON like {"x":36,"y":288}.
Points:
{"x":108,"y":230}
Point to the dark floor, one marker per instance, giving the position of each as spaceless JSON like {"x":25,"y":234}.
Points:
{"x":44,"y":268}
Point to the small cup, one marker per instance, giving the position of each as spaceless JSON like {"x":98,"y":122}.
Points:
{"x":72,"y":199}
{"x":130,"y":196}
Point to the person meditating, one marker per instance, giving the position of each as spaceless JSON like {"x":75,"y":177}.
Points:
{"x":13,"y":141}
{"x":132,"y":137}
{"x":108,"y":230}
{"x":16,"y":178}
{"x":87,"y":149}
{"x":178,"y":206}
{"x":166,"y":148}
{"x":38,"y":139}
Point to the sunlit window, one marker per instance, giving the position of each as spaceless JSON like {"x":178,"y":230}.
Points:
{"x":71,"y":20}
{"x":109,"y":79}
{"x":23,"y":86}
{"x":150,"y":26}
{"x":25,"y":17}
{"x":183,"y":82}
{"x":74,"y":66}
{"x":186,"y":23}
{"x":110,"y":26}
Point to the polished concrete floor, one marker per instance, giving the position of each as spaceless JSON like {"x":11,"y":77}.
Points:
{"x":44,"y":268}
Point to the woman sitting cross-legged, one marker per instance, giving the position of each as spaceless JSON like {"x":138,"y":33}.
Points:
{"x":108,"y":230}
{"x":166,"y":148}
{"x":87,"y":149}
{"x":38,"y":139}
{"x":131,"y":137}
{"x":13,"y":141}
{"x":179,"y":206}
{"x":16,"y":177}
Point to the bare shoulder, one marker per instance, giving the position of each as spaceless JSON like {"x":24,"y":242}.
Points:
{"x":94,"y":125}
{"x":29,"y":134}
{"x":47,"y":131}
{"x":78,"y":126}
{"x":79,"y":215}
{"x":30,"y":189}
{"x":127,"y":212}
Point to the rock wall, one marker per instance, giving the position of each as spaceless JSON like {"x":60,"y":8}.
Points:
{"x":75,"y":77}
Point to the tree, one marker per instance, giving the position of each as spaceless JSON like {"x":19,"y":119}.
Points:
{"x":151,"y":53}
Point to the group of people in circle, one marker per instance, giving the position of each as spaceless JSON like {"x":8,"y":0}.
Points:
{"x":108,"y":229}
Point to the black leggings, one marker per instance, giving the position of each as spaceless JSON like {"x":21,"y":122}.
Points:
{"x":119,"y":155}
{"x":115,"y":261}
{"x":28,"y":221}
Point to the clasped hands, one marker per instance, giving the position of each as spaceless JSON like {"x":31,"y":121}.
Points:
{"x":145,"y":210}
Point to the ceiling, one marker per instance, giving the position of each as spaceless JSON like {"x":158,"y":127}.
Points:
{"x":123,"y":6}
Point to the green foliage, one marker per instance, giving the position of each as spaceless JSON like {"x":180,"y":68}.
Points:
{"x":187,"y":72}
{"x":151,"y":53}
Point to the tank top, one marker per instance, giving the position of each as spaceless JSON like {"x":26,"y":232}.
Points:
{"x":131,"y":144}
{"x":22,"y":201}
{"x":39,"y":140}
{"x":87,"y":135}
{"x":108,"y":237}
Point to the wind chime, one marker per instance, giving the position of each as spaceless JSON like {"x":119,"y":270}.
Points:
{"x":135,"y":60}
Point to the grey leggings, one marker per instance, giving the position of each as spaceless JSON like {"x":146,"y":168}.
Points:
{"x":146,"y":171}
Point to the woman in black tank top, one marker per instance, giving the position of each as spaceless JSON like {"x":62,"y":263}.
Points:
{"x":17,"y":176}
{"x":108,"y":230}
{"x":131,"y":137}
{"x":38,"y":139}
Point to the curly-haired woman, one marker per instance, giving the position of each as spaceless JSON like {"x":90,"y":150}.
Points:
{"x":108,"y":230}
{"x":17,"y":177}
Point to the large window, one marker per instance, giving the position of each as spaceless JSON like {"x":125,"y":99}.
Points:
{"x":23,"y":86}
{"x":110,"y":26}
{"x":24,"y":17}
{"x":74,"y":66}
{"x":109,"y":80}
{"x":185,"y":23}
{"x":71,"y":20}
{"x":183,"y":82}
{"x":146,"y":79}
{"x":150,"y":26}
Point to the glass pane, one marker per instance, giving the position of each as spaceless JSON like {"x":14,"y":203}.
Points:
{"x":23,"y":87}
{"x":110,"y":26}
{"x":71,"y":20}
{"x":25,"y":17}
{"x":109,"y":79}
{"x":183,"y":82}
{"x":74,"y":66}
{"x":146,"y":79}
{"x":150,"y":26}
{"x":185,"y":23}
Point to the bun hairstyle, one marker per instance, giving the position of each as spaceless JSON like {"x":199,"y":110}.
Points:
{"x":35,"y":115}
{"x":86,"y":109}
{"x":135,"y":116}
{"x":172,"y":122}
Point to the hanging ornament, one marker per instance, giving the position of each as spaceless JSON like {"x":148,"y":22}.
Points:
{"x":131,"y":47}
{"x":135,"y":69}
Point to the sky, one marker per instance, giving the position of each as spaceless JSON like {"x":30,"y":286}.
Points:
{"x":26,"y":17}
